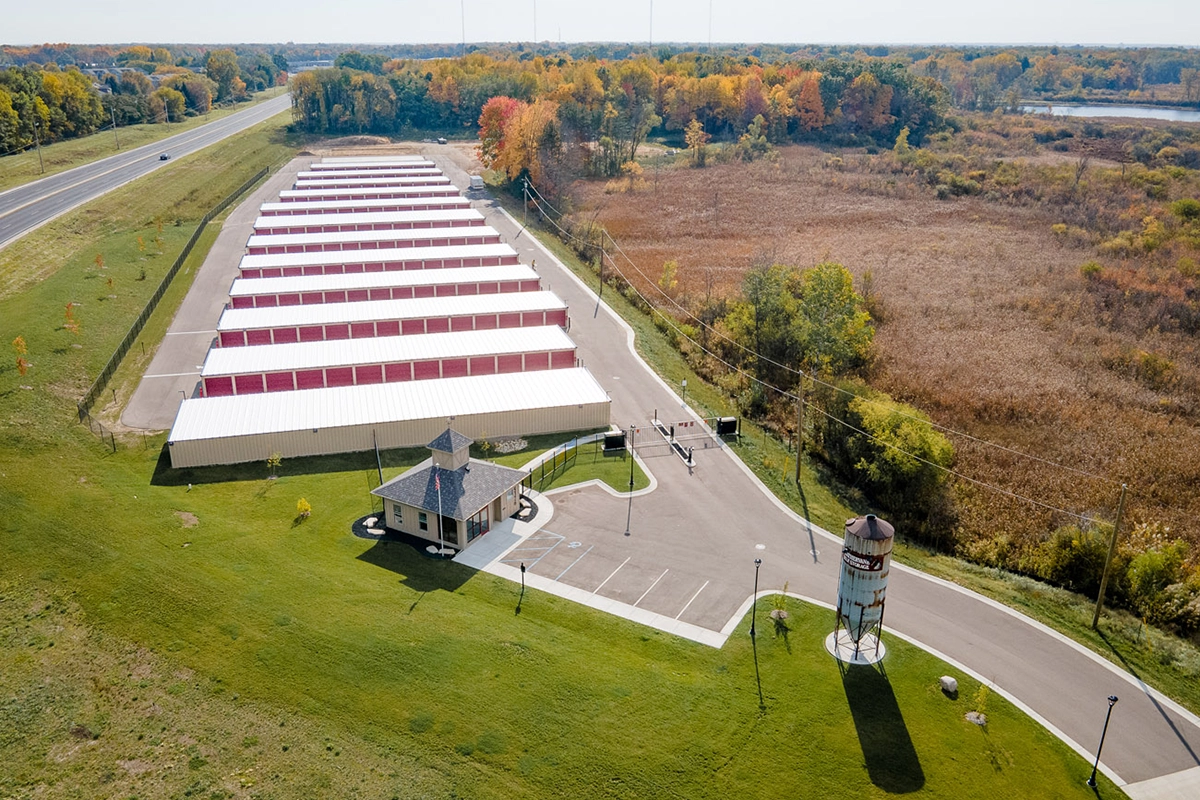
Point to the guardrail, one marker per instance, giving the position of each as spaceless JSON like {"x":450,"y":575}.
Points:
{"x":84,"y":406}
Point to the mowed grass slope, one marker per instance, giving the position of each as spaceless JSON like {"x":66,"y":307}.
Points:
{"x":162,"y":639}
{"x":422,"y":664}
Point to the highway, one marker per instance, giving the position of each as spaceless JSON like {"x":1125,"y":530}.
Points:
{"x":27,"y":207}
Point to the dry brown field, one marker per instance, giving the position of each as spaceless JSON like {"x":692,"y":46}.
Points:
{"x":986,"y":324}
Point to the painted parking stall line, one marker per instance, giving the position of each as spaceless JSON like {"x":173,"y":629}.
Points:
{"x":689,"y":602}
{"x":609,"y":578}
{"x":576,"y":561}
{"x":656,"y":580}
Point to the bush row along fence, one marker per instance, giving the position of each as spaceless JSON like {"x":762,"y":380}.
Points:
{"x":549,"y":465}
{"x":88,"y":400}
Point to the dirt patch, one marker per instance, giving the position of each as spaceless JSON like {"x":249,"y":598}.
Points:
{"x":356,"y":141}
{"x":135,"y":766}
{"x":187,"y":519}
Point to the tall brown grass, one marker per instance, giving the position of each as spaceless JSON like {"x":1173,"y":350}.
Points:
{"x":987,"y":322}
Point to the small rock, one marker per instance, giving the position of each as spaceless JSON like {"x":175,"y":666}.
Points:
{"x":976,"y":718}
{"x":949,"y":684}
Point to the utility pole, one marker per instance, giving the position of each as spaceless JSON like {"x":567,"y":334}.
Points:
{"x":651,"y":23}
{"x":710,"y":26}
{"x":114,"y":119}
{"x":525,"y":191}
{"x":38,"y":140}
{"x":462,"y":12}
{"x":1112,"y":550}
{"x":799,"y":428}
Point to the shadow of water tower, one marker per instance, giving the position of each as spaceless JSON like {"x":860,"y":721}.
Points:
{"x":889,"y":754}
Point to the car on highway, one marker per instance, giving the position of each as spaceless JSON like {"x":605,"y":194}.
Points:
{"x":164,"y":156}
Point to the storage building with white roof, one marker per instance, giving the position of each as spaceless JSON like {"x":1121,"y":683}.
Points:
{"x":231,"y":430}
{"x":239,"y":327}
{"x":392,"y":285}
{"x":368,"y":221}
{"x":385,"y":260}
{"x":370,"y":240}
{"x":449,"y":201}
{"x":386,"y":359}
{"x":362,"y":193}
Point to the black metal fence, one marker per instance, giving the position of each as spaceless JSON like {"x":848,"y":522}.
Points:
{"x":551,"y":467}
{"x":104,"y":433}
{"x":88,"y":400}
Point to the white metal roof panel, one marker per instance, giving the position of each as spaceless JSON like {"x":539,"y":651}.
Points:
{"x":370,"y":217}
{"x":366,"y":180}
{"x":336,"y":237}
{"x":414,"y":163}
{"x":359,"y":172}
{"x":237,"y":319}
{"x":249,"y":287}
{"x":437,"y":252}
{"x":383,"y":350}
{"x":369,"y":191}
{"x":246,"y":415}
{"x":319,"y":206}
{"x":397,"y":159}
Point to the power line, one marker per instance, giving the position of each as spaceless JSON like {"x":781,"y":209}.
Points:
{"x":802,"y":374}
{"x":794,"y":397}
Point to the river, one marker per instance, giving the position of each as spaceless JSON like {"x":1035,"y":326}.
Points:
{"x":1135,"y":112}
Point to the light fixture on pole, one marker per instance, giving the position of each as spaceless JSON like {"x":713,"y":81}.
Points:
{"x":629,"y":514}
{"x":1112,"y":701}
{"x":38,"y":140}
{"x":754,"y":613}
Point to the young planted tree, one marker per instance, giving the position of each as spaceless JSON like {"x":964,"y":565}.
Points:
{"x":697,"y":141}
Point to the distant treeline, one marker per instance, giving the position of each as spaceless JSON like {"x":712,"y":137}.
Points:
{"x":48,"y":102}
{"x":602,"y":110}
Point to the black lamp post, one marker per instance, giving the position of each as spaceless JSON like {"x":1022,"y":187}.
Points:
{"x":1112,"y":701}
{"x":629,"y":513}
{"x":754,"y":613}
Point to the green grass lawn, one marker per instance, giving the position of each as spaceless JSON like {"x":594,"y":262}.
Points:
{"x":1162,"y":660}
{"x":173,"y":633}
{"x":22,"y":168}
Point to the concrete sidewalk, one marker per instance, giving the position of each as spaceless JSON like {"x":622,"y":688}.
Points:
{"x":707,"y":527}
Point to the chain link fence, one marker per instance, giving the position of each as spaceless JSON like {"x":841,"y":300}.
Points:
{"x":98,"y":386}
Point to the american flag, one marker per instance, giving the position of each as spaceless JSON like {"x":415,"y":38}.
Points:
{"x":437,"y":481}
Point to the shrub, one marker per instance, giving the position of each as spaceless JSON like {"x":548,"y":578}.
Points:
{"x":1090,"y":270}
{"x":1187,"y":209}
{"x":1149,"y":574}
{"x":1073,"y":558}
{"x":303,"y":508}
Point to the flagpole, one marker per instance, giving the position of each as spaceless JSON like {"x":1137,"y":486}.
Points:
{"x":437,"y":481}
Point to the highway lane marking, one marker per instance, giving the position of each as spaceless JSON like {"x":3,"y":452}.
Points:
{"x":614,"y":572}
{"x":576,"y":561}
{"x":689,"y":602}
{"x":660,"y":577}
{"x":176,"y":142}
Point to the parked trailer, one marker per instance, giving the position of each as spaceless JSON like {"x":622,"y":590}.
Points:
{"x":371,"y":240}
{"x":384,"y":260}
{"x":395,"y":285}
{"x":239,"y":327}
{"x":377,"y":221}
{"x":386,"y":359}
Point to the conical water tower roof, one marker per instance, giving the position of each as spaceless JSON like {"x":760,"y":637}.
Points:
{"x":870,"y":527}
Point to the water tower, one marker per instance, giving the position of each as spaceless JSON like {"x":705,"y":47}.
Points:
{"x":862,"y":591}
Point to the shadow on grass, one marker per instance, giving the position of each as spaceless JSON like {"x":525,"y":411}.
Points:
{"x":891,"y":759}
{"x":416,"y":570}
{"x":166,"y":475}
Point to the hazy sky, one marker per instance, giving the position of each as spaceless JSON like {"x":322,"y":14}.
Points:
{"x":384,"y":21}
